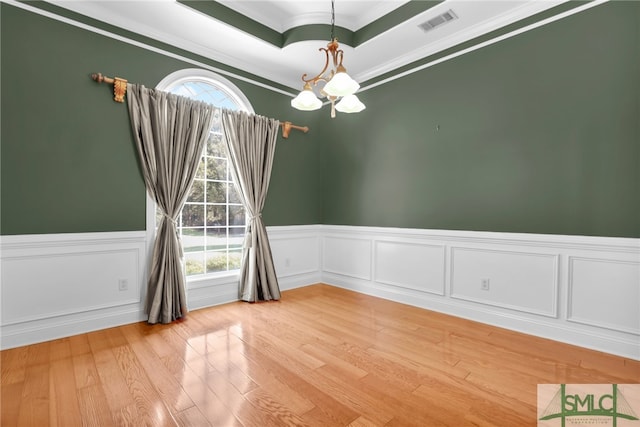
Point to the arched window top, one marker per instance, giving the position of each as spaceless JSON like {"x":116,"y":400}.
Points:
{"x":206,"y":86}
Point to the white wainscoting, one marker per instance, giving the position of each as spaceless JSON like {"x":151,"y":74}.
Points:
{"x":575,"y":289}
{"x":296,"y":254}
{"x":580,"y":290}
{"x":416,"y":265}
{"x":600,"y":293}
{"x":57,"y":285}
{"x":522,"y":281}
{"x":347,"y":256}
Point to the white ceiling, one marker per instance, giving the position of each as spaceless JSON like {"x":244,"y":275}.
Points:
{"x":181,"y":26}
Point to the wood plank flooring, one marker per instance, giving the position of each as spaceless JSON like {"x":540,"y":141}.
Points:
{"x":322,"y":356}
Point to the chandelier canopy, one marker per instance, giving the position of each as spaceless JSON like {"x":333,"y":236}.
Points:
{"x":339,"y":88}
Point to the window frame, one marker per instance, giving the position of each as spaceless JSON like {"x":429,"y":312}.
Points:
{"x":235,"y":94}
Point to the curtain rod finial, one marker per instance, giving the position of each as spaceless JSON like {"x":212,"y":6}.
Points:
{"x":119,"y":85}
{"x":287,"y":126}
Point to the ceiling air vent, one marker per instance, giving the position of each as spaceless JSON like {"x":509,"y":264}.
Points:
{"x":432,"y":23}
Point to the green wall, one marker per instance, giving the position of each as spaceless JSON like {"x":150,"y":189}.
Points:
{"x":538,"y":133}
{"x":68,"y":162}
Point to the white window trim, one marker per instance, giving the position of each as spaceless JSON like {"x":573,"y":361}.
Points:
{"x":191,"y":74}
{"x":173,"y":79}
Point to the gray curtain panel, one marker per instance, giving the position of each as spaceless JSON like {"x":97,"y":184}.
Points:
{"x":251,"y":145}
{"x":170,"y":132}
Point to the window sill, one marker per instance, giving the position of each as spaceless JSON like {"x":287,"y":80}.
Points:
{"x":214,"y":279}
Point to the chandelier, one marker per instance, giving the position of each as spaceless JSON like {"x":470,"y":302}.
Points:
{"x":339,"y":88}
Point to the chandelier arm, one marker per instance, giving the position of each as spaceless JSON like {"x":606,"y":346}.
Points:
{"x":315,"y":79}
{"x":337,"y":57}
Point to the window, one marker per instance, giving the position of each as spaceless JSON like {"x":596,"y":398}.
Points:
{"x":213,"y":221}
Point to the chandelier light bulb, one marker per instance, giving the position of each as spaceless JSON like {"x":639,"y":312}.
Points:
{"x":350,"y":104}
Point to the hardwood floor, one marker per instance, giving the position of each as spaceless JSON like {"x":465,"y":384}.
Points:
{"x":322,"y":356}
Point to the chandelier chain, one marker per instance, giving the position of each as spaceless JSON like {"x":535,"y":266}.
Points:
{"x":333,"y":19}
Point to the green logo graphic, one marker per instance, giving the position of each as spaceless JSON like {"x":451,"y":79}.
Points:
{"x":586,"y":405}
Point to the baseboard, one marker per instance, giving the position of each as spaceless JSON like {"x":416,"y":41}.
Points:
{"x":48,"y":329}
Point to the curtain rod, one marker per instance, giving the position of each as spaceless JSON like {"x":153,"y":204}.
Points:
{"x":120,"y":89}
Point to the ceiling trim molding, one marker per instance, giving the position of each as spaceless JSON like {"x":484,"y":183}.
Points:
{"x":276,"y":22}
{"x":392,"y":19}
{"x":480,"y":42}
{"x":71,"y":18}
{"x":317,"y":32}
{"x":309,"y":32}
{"x":560,"y":11}
{"x":89,"y":24}
{"x":222,"y":13}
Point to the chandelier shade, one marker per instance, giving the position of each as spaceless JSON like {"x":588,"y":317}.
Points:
{"x":341,"y":84}
{"x":337,"y":85}
{"x":306,"y":100}
{"x":350,"y":104}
